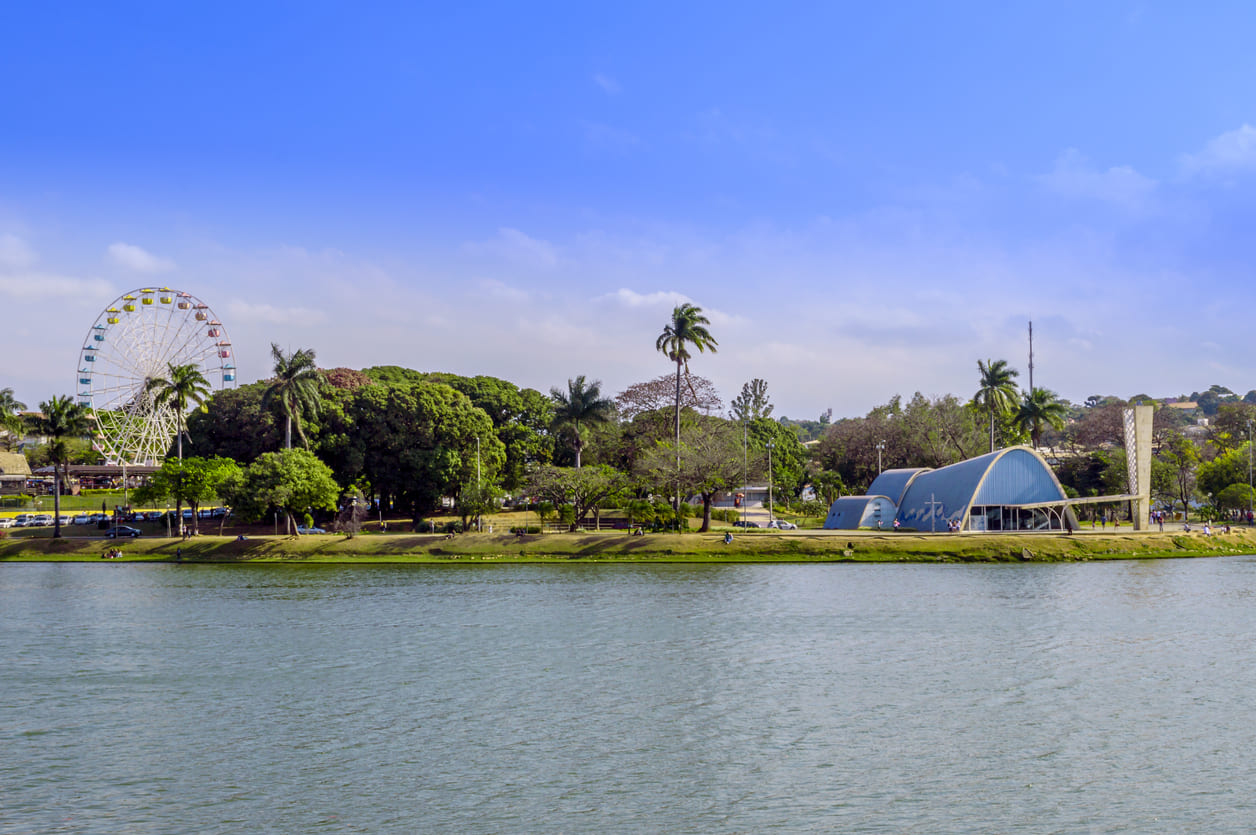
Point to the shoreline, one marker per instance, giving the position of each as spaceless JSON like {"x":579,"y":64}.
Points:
{"x":619,"y":547}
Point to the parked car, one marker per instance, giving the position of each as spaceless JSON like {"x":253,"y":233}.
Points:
{"x":745,"y":524}
{"x":302,"y":529}
{"x":6,"y":521}
{"x":156,"y":515}
{"x":82,"y":519}
{"x":21,"y":520}
{"x":122,"y":530}
{"x":781,"y":524}
{"x":42,"y":520}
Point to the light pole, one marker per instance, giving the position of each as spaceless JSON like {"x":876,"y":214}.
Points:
{"x":745,"y":467}
{"x":880,"y":447}
{"x":1249,"y":473}
{"x":479,"y":519}
{"x":771,"y":511}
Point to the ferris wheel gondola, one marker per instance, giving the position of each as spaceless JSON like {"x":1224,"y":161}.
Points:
{"x":135,"y":340}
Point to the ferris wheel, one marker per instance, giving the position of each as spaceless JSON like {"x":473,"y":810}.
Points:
{"x":133,"y":341}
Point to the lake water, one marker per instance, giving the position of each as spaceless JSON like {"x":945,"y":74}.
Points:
{"x":1094,"y":697}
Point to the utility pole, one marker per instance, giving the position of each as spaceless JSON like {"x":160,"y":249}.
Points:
{"x":1031,"y":357}
{"x":880,"y":446}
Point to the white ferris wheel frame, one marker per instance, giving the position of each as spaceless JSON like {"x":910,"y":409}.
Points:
{"x":136,"y":339}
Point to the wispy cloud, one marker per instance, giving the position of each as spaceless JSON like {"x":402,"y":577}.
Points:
{"x":609,"y":85}
{"x":517,"y":247}
{"x":252,"y":312}
{"x":137,"y":259}
{"x":14,"y":253}
{"x":28,"y":287}
{"x":632,"y":299}
{"x":1230,"y":153}
{"x":1073,"y":176}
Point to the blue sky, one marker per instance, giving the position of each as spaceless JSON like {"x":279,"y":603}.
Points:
{"x":865,"y":200}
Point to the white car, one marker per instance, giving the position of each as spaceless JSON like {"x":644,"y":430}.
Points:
{"x":781,"y":524}
{"x":82,"y":519}
{"x":6,"y":522}
{"x":21,"y":520}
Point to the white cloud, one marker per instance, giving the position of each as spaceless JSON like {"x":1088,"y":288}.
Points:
{"x":14,"y":253}
{"x":501,"y":290}
{"x":1230,"y":153}
{"x":518,"y":248}
{"x":29,"y":287}
{"x":631,"y":298}
{"x":138,"y":260}
{"x":608,"y":84}
{"x":1074,"y":177}
{"x":252,"y":312}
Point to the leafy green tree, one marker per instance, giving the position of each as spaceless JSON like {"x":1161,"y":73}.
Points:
{"x":294,"y":389}
{"x":583,"y":489}
{"x":292,"y":481}
{"x":195,"y":481}
{"x":416,"y":444}
{"x":1234,"y":497}
{"x":712,"y":462}
{"x":1182,"y":456}
{"x":11,"y":416}
{"x":581,"y":405}
{"x":475,"y":500}
{"x":1213,"y":477}
{"x":687,"y":327}
{"x":1038,"y":408}
{"x":233,"y":424}
{"x":63,"y":419}
{"x":789,"y":457}
{"x":752,"y":403}
{"x":184,"y":386}
{"x":996,"y":394}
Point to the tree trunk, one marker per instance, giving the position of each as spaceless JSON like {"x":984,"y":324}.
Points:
{"x":676,"y":500}
{"x":706,"y":512}
{"x":287,"y":432}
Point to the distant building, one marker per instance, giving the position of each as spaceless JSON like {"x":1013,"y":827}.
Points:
{"x":14,"y":471}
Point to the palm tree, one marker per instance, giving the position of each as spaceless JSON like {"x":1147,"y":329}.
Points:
{"x":62,"y":420}
{"x":582,"y":403}
{"x":294,"y":388}
{"x":11,"y":414}
{"x":185,"y":385}
{"x":997,"y":394}
{"x":687,"y":327}
{"x":1038,"y":407}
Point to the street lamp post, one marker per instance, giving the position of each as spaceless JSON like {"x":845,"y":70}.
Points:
{"x":1249,"y":473}
{"x":771,"y":511}
{"x":880,"y":447}
{"x":745,"y":467}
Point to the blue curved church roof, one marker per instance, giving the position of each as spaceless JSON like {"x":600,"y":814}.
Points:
{"x":893,"y":483}
{"x":1013,"y":476}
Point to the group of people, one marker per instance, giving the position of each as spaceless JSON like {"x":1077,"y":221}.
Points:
{"x":111,"y":554}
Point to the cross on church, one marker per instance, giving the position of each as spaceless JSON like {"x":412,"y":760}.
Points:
{"x":933,"y":513}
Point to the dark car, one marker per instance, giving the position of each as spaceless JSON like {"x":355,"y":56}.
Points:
{"x":746,"y":524}
{"x":122,"y":530}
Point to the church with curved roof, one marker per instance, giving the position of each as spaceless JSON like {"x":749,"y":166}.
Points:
{"x":1012,"y":489}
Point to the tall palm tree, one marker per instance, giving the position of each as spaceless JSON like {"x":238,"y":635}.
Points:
{"x":63,"y":419}
{"x":997,"y":393}
{"x":186,"y":386}
{"x":11,"y":414}
{"x":687,"y":327}
{"x":1038,"y":407}
{"x":582,"y":403}
{"x":294,"y":388}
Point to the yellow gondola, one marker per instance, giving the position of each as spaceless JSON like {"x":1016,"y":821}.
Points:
{"x":129,"y":308}
{"x":167,"y":299}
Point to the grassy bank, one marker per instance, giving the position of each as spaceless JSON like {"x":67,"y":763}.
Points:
{"x":766,"y":546}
